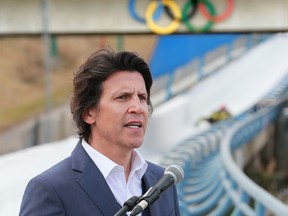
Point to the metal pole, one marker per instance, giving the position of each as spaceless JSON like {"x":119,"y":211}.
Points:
{"x":47,"y":66}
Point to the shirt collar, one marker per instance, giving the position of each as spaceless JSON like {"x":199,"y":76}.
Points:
{"x":139,"y":165}
{"x":106,"y":165}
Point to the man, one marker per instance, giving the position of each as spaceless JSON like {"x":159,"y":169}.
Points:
{"x":110,"y":106}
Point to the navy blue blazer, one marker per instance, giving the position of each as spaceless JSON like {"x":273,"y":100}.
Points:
{"x":76,"y":187}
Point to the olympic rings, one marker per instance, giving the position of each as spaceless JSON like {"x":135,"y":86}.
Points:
{"x":209,"y":23}
{"x":174,"y":24}
{"x":132,"y":4}
{"x":191,"y":13}
{"x":219,"y":18}
{"x":178,"y":16}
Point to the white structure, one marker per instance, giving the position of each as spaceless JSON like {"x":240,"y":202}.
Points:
{"x":113,"y":16}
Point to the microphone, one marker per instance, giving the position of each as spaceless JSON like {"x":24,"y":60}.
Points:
{"x":172,"y":175}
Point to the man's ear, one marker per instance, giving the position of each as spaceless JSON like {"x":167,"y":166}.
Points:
{"x":89,"y":116}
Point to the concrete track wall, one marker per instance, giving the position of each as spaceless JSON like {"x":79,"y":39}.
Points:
{"x":112,"y":16}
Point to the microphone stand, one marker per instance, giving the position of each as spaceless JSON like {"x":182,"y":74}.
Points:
{"x":128,"y":206}
{"x":145,"y":200}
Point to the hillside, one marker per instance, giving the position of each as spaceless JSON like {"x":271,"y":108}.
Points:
{"x":22,"y":74}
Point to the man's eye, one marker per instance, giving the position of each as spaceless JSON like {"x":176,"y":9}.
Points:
{"x":142,"y":98}
{"x":123,"y":97}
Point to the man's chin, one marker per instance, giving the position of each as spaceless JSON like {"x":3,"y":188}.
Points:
{"x":136,"y":145}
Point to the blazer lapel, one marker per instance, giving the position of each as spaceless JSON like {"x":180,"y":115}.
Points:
{"x":92,"y":181}
{"x":150,"y":180}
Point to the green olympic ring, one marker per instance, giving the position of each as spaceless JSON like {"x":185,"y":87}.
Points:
{"x":209,"y":23}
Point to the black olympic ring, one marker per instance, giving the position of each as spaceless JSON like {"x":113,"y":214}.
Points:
{"x":191,"y":14}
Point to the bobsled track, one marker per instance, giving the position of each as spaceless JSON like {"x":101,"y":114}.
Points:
{"x":212,"y":156}
{"x":215,"y":183}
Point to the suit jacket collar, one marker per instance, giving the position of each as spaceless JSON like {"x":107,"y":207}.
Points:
{"x":92,"y":181}
{"x":149,"y":180}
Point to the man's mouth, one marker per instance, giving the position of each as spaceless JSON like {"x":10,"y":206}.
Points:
{"x":134,"y":125}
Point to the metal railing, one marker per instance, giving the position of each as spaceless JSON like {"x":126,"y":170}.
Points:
{"x":214,"y":183}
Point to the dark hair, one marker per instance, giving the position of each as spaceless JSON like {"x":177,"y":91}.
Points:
{"x":88,"y":82}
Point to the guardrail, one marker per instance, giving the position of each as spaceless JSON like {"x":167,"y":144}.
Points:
{"x":214,"y":183}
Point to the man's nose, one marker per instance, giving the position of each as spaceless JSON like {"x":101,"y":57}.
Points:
{"x":136,"y":106}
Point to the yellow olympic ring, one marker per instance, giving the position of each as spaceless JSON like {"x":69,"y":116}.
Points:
{"x":167,"y":29}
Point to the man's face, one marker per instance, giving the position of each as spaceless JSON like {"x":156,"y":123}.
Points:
{"x":120,"y":119}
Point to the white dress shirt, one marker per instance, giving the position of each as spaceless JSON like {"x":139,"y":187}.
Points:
{"x":115,"y":175}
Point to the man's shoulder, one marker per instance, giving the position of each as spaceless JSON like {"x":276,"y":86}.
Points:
{"x":63,"y":170}
{"x":60,"y":171}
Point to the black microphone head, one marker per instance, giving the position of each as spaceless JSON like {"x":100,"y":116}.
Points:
{"x":176,"y":171}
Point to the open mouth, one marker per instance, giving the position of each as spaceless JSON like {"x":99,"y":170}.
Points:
{"x":134,"y":125}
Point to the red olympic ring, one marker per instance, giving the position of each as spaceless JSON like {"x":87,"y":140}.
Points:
{"x":221,"y":17}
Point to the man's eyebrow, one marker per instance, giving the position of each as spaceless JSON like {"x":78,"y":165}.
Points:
{"x":122,"y":92}
{"x":143,"y":93}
